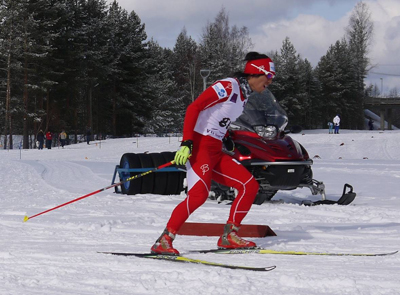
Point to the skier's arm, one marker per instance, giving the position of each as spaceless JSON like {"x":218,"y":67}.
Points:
{"x":207,"y":99}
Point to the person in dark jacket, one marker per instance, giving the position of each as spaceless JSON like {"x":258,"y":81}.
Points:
{"x":40,"y":139}
{"x":371,"y":124}
{"x":88,"y":135}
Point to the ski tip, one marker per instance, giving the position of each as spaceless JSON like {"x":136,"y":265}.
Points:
{"x":26,"y":218}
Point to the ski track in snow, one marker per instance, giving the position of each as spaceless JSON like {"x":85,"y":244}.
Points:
{"x":55,"y":253}
{"x":79,"y":177}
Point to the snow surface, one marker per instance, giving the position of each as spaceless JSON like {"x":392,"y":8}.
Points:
{"x":56,"y":253}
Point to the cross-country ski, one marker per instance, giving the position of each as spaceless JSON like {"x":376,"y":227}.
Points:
{"x":285,"y":252}
{"x":180,"y":258}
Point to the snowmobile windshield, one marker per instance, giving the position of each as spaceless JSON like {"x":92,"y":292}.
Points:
{"x":262,"y":110}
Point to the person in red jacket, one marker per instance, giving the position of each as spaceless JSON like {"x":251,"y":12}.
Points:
{"x":205,"y":128}
{"x":49,"y":138}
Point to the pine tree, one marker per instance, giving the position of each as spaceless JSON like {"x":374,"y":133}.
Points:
{"x":328,"y":73}
{"x":11,"y":51}
{"x":69,"y":94}
{"x":186,"y":65}
{"x":93,"y":36}
{"x":127,"y":95}
{"x":117,"y":45}
{"x":306,"y":94}
{"x":39,"y":19}
{"x":133,"y":93}
{"x":222,"y":49}
{"x":286,"y":86}
{"x":165,"y":114}
{"x":337,"y":83}
{"x":359,"y":35}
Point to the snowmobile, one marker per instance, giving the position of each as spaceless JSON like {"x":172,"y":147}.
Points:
{"x":278,"y":162}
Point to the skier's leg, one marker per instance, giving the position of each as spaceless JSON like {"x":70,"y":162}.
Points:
{"x":231,"y":173}
{"x":206,"y":152}
{"x":199,"y":182}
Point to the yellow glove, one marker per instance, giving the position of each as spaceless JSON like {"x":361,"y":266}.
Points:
{"x":184,"y":153}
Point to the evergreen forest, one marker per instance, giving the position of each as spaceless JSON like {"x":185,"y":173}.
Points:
{"x":75,"y":65}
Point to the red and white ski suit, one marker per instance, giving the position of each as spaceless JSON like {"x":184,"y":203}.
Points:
{"x":206,"y":122}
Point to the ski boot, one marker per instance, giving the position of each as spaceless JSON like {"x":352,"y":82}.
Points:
{"x":231,"y":240}
{"x":163,"y":245}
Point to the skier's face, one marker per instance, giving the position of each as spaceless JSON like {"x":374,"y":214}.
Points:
{"x":259,"y":83}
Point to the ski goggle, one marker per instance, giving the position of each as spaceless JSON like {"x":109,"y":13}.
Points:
{"x":268,"y":74}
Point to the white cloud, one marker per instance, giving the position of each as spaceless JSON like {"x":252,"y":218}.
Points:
{"x":311,"y":35}
{"x":311,"y":25}
{"x":385,"y":46}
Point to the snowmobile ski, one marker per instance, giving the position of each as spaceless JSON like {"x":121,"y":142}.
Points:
{"x":180,"y":258}
{"x":284,"y":252}
{"x":346,"y":198}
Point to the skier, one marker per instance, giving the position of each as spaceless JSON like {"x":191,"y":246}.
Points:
{"x":205,"y":128}
{"x":336,"y":122}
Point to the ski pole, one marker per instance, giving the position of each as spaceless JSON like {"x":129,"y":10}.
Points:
{"x":26,"y":218}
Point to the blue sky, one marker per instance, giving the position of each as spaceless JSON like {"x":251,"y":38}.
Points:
{"x":311,"y":25}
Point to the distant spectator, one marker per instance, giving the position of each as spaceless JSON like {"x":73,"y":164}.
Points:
{"x":88,"y":135}
{"x":330,"y":126}
{"x":40,"y":139}
{"x":371,"y":124}
{"x":49,"y":138}
{"x":336,"y":122}
{"x":62,"y":137}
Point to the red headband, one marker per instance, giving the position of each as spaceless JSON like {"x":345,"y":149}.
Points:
{"x":262,"y":66}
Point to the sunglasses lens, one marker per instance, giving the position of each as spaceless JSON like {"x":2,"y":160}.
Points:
{"x":270,"y":76}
